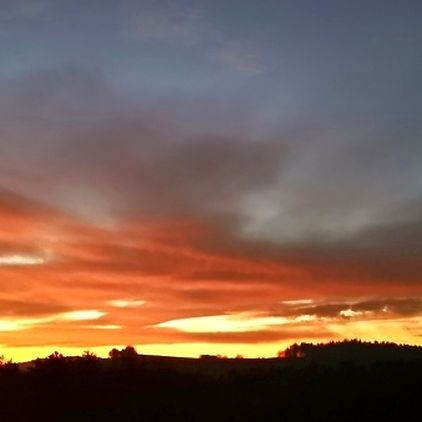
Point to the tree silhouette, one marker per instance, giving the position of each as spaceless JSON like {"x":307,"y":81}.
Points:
{"x":8,"y":366}
{"x":320,"y":382}
{"x":55,"y":356}
{"x":89,"y":356}
{"x":128,"y":352}
{"x":293,"y":351}
{"x":114,"y":354}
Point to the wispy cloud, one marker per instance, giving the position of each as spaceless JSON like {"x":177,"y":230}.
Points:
{"x":17,"y":324}
{"x":240,"y":322}
{"x":241,"y":58}
{"x":364,"y":308}
{"x":169,"y":24}
{"x":21,"y":260}
{"x":190,"y":27}
{"x":126,"y":303}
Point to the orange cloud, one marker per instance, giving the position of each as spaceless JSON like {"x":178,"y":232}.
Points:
{"x":69,"y":283}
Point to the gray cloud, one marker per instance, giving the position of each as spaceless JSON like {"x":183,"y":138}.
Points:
{"x":380,"y":307}
{"x":240,"y":58}
{"x":85,"y":149}
{"x":76,"y":133}
{"x":171,"y":24}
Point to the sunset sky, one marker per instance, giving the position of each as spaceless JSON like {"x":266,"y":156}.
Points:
{"x":209,"y":176}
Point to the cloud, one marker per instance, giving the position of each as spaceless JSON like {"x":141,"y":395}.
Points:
{"x":271,"y":336}
{"x":372,"y":307}
{"x":296,"y":302}
{"x":190,"y":174}
{"x":297,"y":315}
{"x":56,"y":96}
{"x":28,"y":308}
{"x":224,"y":323}
{"x":170,"y":24}
{"x":84,"y":315}
{"x":126,"y":303}
{"x":19,"y":214}
{"x":12,"y":260}
{"x":190,"y":27}
{"x":134,"y":207}
{"x":350,"y":313}
{"x":12,"y":10}
{"x":18,"y":324}
{"x":240,"y":58}
{"x":77,"y":165}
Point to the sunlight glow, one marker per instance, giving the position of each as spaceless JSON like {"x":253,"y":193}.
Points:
{"x":305,"y":318}
{"x":123,"y":303}
{"x":21,"y":323}
{"x":18,"y":324}
{"x":85,"y":315}
{"x":21,"y":260}
{"x":350,"y":313}
{"x":7,"y":325}
{"x":241,"y":322}
{"x":105,"y":327}
{"x":402,"y":330}
{"x":298,"y":302}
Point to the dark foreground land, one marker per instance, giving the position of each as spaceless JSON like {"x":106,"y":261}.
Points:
{"x":348,"y":381}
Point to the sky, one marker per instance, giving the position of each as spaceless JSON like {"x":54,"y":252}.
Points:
{"x":209,"y":176}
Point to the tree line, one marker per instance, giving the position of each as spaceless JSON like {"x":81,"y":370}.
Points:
{"x":131,"y":387}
